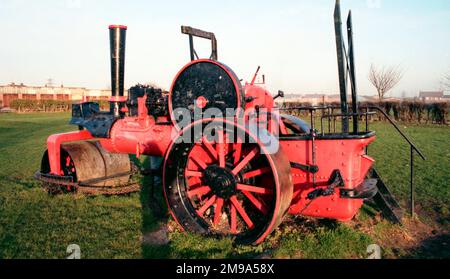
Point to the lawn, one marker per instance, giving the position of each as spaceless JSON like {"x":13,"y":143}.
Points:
{"x":36,"y":225}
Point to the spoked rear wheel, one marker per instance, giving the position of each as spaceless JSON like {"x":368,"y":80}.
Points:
{"x":223,"y":182}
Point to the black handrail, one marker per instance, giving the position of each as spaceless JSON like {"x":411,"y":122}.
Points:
{"x":400,"y":131}
{"x":413,"y":148}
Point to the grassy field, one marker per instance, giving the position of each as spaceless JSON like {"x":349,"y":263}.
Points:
{"x":36,"y":225}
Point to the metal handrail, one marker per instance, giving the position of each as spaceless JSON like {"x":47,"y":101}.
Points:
{"x":306,"y":108}
{"x":413,"y":148}
{"x":400,"y":131}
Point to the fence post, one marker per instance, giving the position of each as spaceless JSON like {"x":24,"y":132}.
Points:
{"x":412,"y":182}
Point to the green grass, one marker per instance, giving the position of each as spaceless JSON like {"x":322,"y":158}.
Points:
{"x":432,"y":177}
{"x":325,"y":242}
{"x":36,"y":225}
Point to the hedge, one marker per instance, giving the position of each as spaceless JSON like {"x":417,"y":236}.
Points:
{"x":416,"y":112}
{"x":48,"y":105}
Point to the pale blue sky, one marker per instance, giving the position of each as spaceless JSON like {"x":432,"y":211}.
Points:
{"x":293,"y":41}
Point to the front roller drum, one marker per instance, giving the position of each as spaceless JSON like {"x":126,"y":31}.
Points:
{"x":88,"y":161}
{"x":224,"y":181}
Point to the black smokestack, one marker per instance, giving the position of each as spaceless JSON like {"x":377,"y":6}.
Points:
{"x":341,"y":65}
{"x":117,"y":37}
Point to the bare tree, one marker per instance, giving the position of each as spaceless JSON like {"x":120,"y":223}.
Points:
{"x":385,"y":79}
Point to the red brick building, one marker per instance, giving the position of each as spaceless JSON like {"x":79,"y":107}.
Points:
{"x":13,"y":91}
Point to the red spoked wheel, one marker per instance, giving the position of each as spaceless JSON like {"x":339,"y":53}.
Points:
{"x":221,"y":180}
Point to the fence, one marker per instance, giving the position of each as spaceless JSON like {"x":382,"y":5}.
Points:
{"x":412,"y":112}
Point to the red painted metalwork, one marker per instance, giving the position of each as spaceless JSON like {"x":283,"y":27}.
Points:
{"x":139,"y":135}
{"x":120,"y":99}
{"x":260,"y":97}
{"x":347,"y":156}
{"x":54,"y":147}
{"x":118,"y":26}
{"x":201,"y":102}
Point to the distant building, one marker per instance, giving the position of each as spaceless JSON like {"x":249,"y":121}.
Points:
{"x":318,"y":99}
{"x":431,"y":96}
{"x":313,"y":99}
{"x":392,"y":100}
{"x":14,"y":91}
{"x":368,"y":98}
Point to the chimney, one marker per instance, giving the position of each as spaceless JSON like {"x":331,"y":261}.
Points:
{"x":117,"y":37}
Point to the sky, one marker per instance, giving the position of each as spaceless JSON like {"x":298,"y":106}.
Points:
{"x":292,"y":41}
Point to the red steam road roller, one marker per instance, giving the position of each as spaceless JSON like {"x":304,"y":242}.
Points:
{"x":233,"y":164}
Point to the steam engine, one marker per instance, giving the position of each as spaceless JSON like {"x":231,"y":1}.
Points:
{"x":232,"y":183}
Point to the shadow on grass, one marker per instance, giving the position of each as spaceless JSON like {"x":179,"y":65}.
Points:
{"x":155,"y":244}
{"x":435,"y":247}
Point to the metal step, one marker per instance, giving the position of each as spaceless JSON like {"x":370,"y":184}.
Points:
{"x":367,"y":190}
{"x":385,"y":200}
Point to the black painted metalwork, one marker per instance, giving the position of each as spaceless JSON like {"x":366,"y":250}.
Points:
{"x":134,"y":93}
{"x":313,"y":144}
{"x":367,"y":190}
{"x":191,"y":47}
{"x":88,"y":116}
{"x":412,"y":189}
{"x":341,"y":65}
{"x":336,"y":181}
{"x":352,"y":72}
{"x":192,"y":32}
{"x":117,"y":36}
{"x":280,"y":94}
{"x":221,"y":181}
{"x":156,"y":101}
{"x":209,"y":81}
{"x":400,"y":131}
{"x":306,"y":168}
{"x":385,"y":200}
{"x":330,"y":116}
